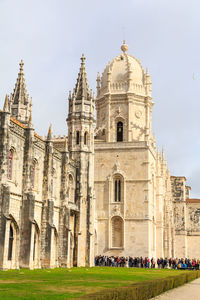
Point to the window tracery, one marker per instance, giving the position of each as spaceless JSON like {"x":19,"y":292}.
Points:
{"x":120,"y":132}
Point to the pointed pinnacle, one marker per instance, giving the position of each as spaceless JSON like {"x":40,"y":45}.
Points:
{"x":6,"y":104}
{"x":20,"y":93}
{"x":49,"y":136}
{"x":81,"y":91}
{"x":70,"y":95}
{"x":158,"y":155}
{"x":163,"y":154}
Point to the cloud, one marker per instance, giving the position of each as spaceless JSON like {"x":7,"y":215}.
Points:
{"x":51,"y":35}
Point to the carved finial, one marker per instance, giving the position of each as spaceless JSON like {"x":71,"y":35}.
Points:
{"x":70,"y":95}
{"x":21,"y":64}
{"x":124,"y":46}
{"x":6,"y":104}
{"x":119,"y":110}
{"x":83,"y":59}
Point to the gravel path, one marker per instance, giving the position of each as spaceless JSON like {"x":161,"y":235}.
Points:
{"x":189,"y":291}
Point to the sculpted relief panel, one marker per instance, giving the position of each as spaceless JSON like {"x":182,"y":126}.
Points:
{"x":179,"y":219}
{"x":194,"y":219}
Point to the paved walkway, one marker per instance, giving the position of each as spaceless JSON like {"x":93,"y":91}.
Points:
{"x":189,"y":291}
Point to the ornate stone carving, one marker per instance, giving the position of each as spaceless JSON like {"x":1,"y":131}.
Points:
{"x":116,"y":211}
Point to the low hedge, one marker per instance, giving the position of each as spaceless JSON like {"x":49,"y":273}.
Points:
{"x":144,"y":290}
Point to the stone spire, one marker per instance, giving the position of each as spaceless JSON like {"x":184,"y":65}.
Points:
{"x":81,"y":91}
{"x":163,"y":155}
{"x":49,"y":136}
{"x":20,"y":106}
{"x":20,"y":92}
{"x":98,"y":80}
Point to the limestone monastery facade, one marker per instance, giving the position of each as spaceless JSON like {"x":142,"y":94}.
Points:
{"x":105,"y":189}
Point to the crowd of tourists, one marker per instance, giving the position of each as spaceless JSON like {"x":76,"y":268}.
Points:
{"x":140,"y":262}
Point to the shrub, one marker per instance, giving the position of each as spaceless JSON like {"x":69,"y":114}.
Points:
{"x":144,"y":290}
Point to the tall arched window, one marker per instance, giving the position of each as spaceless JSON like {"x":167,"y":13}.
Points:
{"x":119,"y":132}
{"x":10,"y":164}
{"x":117,"y":190}
{"x":36,"y":244}
{"x":77,"y":138}
{"x":10,"y":243}
{"x":85,"y":138}
{"x":117,"y":232}
{"x":118,"y":184}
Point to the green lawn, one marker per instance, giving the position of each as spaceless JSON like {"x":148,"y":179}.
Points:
{"x":71,"y":283}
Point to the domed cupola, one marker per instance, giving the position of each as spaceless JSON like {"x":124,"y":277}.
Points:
{"x":124,"y":74}
{"x":124,"y":102}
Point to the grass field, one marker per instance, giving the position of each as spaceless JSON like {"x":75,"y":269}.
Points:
{"x":71,"y":283}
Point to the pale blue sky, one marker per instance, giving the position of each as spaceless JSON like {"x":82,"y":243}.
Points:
{"x":51,"y":35}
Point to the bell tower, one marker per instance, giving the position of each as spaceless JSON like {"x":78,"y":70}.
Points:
{"x":124,"y":102}
{"x":81,"y":148}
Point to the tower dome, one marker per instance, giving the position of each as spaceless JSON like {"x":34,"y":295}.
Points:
{"x":125,"y":74}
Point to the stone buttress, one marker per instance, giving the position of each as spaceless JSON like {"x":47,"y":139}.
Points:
{"x":81,"y":148}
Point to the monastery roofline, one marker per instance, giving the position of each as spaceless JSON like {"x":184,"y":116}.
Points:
{"x":23,"y":126}
{"x":178,"y":177}
{"x":193,"y":200}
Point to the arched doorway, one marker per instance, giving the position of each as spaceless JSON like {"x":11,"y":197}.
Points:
{"x":13,"y":245}
{"x":54,"y":248}
{"x":117,"y":232}
{"x":36,"y":247}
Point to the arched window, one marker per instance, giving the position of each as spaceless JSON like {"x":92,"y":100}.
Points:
{"x":10,"y":164}
{"x":117,"y":232}
{"x":119,"y":132}
{"x":36,"y":244}
{"x":77,"y":138}
{"x":10,"y":243}
{"x":85,"y":138}
{"x":118,"y":189}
